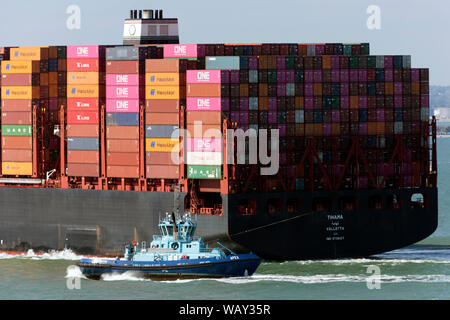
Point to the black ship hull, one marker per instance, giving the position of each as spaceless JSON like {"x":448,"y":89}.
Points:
{"x":102,"y":222}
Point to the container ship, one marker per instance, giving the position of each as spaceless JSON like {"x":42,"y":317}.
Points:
{"x":289,"y":150}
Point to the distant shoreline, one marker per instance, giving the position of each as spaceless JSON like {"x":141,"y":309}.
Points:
{"x":443,"y":136}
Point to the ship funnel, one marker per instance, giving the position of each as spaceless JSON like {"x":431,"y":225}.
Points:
{"x":147,"y":14}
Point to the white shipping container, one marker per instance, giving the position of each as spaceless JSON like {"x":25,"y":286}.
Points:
{"x":398,"y":127}
{"x":204,"y":158}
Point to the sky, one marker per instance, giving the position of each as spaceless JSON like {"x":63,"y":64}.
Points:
{"x":407,"y":27}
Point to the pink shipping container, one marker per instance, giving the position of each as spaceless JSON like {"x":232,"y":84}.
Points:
{"x":398,"y":88}
{"x":363,"y":128}
{"x":204,"y":145}
{"x":122,"y":105}
{"x":335,"y":115}
{"x":344,"y":75}
{"x":282,"y":128}
{"x":204,"y":76}
{"x":335,"y":75}
{"x":309,"y":89}
{"x":203,"y":104}
{"x":244,"y":103}
{"x":122,"y":79}
{"x":281,"y":76}
{"x":345,"y":102}
{"x":353,"y":75}
{"x":388,"y":75}
{"x":82,"y":52}
{"x":326,"y":129}
{"x":335,"y":62}
{"x":180,"y":51}
{"x":415,"y":75}
{"x":362,"y":75}
{"x":309,"y":76}
{"x":234,"y":76}
{"x":388,"y":62}
{"x":362,"y":101}
{"x":424,"y":100}
{"x":122,"y":92}
{"x":380,"y":115}
{"x":272,"y":104}
{"x":344,"y":89}
{"x":309,"y":103}
{"x":398,"y":101}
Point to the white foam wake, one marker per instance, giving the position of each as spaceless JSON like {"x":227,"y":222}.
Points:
{"x":65,"y":254}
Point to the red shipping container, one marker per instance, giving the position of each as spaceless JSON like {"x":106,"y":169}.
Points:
{"x":83,"y":156}
{"x":13,"y":155}
{"x":82,"y":117}
{"x":19,"y":105}
{"x":122,"y":145}
{"x":162,"y":118}
{"x":122,"y":159}
{"x":16,"y":142}
{"x":83,"y":130}
{"x":85,"y":104}
{"x":162,"y":158}
{"x":167,"y":105}
{"x":205,"y":117}
{"x":122,"y":171}
{"x":83,"y":170}
{"x":16,"y":117}
{"x":83,"y":65}
{"x":162,"y":172}
{"x":122,"y":132}
{"x":122,"y":67}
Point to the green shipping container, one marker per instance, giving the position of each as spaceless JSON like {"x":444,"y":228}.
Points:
{"x":16,"y":130}
{"x":204,"y":172}
{"x":371,"y":62}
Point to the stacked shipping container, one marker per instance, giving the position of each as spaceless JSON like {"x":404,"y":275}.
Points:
{"x":21,"y":91}
{"x":204,"y":120}
{"x":85,"y":93}
{"x":124,"y":96}
{"x":165,"y":86}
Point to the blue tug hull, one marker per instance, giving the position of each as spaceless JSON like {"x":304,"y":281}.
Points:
{"x":232,"y":266}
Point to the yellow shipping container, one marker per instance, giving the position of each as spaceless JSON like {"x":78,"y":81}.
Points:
{"x":162,"y":92}
{"x":83,"y":91}
{"x":162,"y":145}
{"x":162,"y":78}
{"x":17,"y":168}
{"x":82,"y":78}
{"x":28,"y":53}
{"x":20,"y":92}
{"x":20,"y":67}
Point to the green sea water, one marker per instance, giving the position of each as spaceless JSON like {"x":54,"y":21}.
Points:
{"x":421,"y":271}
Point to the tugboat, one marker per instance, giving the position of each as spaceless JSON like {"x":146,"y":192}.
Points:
{"x":175,"y":254}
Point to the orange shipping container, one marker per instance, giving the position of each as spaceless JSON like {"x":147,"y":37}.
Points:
{"x":74,"y":78}
{"x":354,"y":102}
{"x":23,"y":155}
{"x":317,"y":89}
{"x":85,"y":91}
{"x":83,"y":156}
{"x":28,"y":53}
{"x":309,"y":129}
{"x":326,"y":62}
{"x":122,"y":159}
{"x":203,"y":90}
{"x":372,"y":128}
{"x":20,"y":67}
{"x":82,"y":130}
{"x":122,"y":132}
{"x":389,"y":88}
{"x":17,"y":168}
{"x":20,"y":92}
{"x":165,"y":79}
{"x":122,"y":145}
{"x":122,"y":171}
{"x":162,"y":65}
{"x":162,"y":118}
{"x":163,"y":92}
{"x":17,"y":143}
{"x":381,"y":127}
